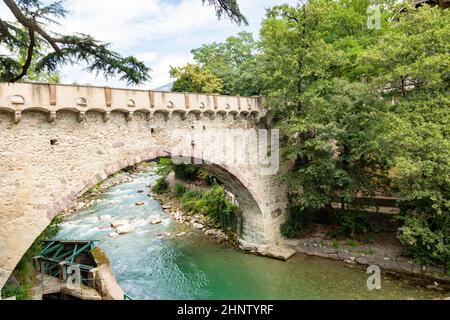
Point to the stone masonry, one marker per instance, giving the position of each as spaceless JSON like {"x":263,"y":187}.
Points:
{"x":58,"y":141}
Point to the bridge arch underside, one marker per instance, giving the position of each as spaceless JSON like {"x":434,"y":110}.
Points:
{"x":46,"y":166}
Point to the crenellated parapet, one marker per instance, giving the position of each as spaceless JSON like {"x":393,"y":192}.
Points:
{"x":50,"y":98}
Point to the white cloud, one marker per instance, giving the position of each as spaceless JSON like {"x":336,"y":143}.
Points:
{"x":159,"y":32}
{"x":160,"y":73}
{"x":131,"y":23}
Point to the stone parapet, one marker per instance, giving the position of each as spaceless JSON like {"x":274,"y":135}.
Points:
{"x":50,"y":98}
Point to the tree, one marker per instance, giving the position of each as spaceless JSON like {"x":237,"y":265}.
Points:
{"x":193,"y":78}
{"x":329,"y":146}
{"x":327,"y":116}
{"x":409,"y":65}
{"x":233,"y":61}
{"x":228,"y":8}
{"x":47,"y":51}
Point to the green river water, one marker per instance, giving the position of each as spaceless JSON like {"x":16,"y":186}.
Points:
{"x":194,"y":267}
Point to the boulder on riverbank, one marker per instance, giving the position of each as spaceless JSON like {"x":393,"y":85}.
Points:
{"x":198,"y":226}
{"x":155,"y":221}
{"x":128,"y":228}
{"x":119,"y":223}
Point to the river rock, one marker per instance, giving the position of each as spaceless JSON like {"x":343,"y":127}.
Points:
{"x":113,"y":234}
{"x":247,"y":246}
{"x":211,"y":232}
{"x":221,"y":238}
{"x":140,"y":203}
{"x":363,"y":261}
{"x":155,"y":221}
{"x":181,"y":234}
{"x":128,"y":228}
{"x":119,"y":223}
{"x":198,"y":226}
{"x":141,"y":191}
{"x":179,"y":216}
{"x":80,"y":205}
{"x":166,"y":207}
{"x":348,"y":261}
{"x":106,"y":217}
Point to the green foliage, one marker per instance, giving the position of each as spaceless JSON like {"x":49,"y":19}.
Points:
{"x":427,"y":241}
{"x":233,"y":62}
{"x":193,"y":78}
{"x":410,"y":61}
{"x":298,"y":220}
{"x":191,"y":201}
{"x":330,"y":144}
{"x":179,"y":190}
{"x":21,"y":292}
{"x":161,"y":186}
{"x":352,"y":243}
{"x":229,"y":8}
{"x":215,"y":205}
{"x":207,"y":177}
{"x":164,"y":167}
{"x":351,"y":224}
{"x":186,"y":172}
{"x":364,"y":111}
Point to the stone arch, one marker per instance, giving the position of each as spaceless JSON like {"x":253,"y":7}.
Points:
{"x":231,"y":178}
{"x":41,"y":178}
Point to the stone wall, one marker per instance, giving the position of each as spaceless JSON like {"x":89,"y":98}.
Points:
{"x":56,"y":142}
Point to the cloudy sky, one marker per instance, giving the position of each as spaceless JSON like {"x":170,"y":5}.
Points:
{"x":159,"y":32}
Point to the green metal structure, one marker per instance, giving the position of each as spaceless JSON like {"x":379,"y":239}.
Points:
{"x":58,"y":255}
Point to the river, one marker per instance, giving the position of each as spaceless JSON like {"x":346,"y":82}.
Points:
{"x":193,"y":267}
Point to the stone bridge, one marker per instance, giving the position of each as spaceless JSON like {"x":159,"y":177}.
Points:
{"x":58,"y":141}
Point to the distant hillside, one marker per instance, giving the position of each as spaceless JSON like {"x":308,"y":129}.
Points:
{"x":166,"y":87}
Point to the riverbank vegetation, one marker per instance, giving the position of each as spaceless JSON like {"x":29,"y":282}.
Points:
{"x":363,"y":108}
{"x":206,"y":197}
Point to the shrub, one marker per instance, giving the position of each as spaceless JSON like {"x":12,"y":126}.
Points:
{"x":179,"y":190}
{"x":21,"y":292}
{"x":425,"y":243}
{"x":215,"y":205}
{"x":351,"y":223}
{"x":186,"y":172}
{"x":291,"y":229}
{"x":190,"y":201}
{"x":298,"y":220}
{"x":161,"y":186}
{"x":164,"y":167}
